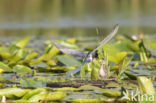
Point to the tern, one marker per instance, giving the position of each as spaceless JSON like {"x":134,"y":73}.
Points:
{"x":80,"y":54}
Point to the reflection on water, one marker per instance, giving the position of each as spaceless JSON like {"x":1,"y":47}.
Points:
{"x":76,"y":17}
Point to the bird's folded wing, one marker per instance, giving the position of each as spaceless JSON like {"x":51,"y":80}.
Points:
{"x":69,"y":51}
{"x":109,"y":37}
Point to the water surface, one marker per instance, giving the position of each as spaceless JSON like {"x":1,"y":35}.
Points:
{"x":76,"y":17}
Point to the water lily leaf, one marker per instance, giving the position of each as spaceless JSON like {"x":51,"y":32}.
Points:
{"x":145,"y":85}
{"x":4,"y":52}
{"x":33,"y":92}
{"x":50,"y":53}
{"x":51,"y":62}
{"x":84,"y":70}
{"x":151,"y":44}
{"x":69,"y":43}
{"x":32,"y":83}
{"x":85,"y":101}
{"x":13,"y":93}
{"x":134,"y":46}
{"x":56,"y":69}
{"x":55,"y":96}
{"x":43,"y":79}
{"x":114,"y":55}
{"x":66,"y":89}
{"x":71,"y":40}
{"x":5,"y":68}
{"x":38,"y":97}
{"x":16,"y":56}
{"x":21,"y":101}
{"x":112,"y":85}
{"x":89,"y":87}
{"x":123,"y":45}
{"x":109,"y":92}
{"x":120,"y":56}
{"x":21,"y":43}
{"x":123,"y":65}
{"x":22,"y":69}
{"x":65,"y":69}
{"x":31,"y":56}
{"x":35,"y":63}
{"x":47,"y":49}
{"x":95,"y":74}
{"x":131,"y":75}
{"x":68,"y":60}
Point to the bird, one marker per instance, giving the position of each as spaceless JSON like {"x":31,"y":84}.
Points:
{"x":81,"y":55}
{"x":102,"y":71}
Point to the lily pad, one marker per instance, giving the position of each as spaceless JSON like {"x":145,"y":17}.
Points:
{"x":13,"y":93}
{"x":21,"y":42}
{"x":89,"y":87}
{"x":109,"y":92}
{"x":4,"y":67}
{"x":145,"y":85}
{"x":68,"y":60}
{"x":55,"y":96}
{"x":32,"y":93}
{"x":22,"y":69}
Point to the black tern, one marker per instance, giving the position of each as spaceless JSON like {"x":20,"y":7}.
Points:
{"x":80,"y":54}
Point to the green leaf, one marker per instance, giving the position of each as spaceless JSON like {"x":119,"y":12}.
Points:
{"x":4,"y":52}
{"x":95,"y":74}
{"x":32,"y":83}
{"x":21,"y":43}
{"x":145,"y":85}
{"x":21,"y":101}
{"x":66,"y":89}
{"x":38,"y":97}
{"x":68,"y":60}
{"x":89,"y":87}
{"x":56,"y":69}
{"x":85,"y":101}
{"x":33,"y":92}
{"x":55,"y":96}
{"x":13,"y":93}
{"x":123,"y":45}
{"x":22,"y":69}
{"x":4,"y":67}
{"x":134,"y":46}
{"x":49,"y":54}
{"x":123,"y":65}
{"x":84,"y":70}
{"x":131,"y":75}
{"x":151,"y":44}
{"x":16,"y":57}
{"x":114,"y":54}
{"x":109,"y":92}
{"x":31,"y":56}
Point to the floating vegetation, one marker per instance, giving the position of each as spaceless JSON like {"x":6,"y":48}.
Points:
{"x":121,"y":71}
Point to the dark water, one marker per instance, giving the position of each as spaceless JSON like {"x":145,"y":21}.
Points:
{"x":76,"y":17}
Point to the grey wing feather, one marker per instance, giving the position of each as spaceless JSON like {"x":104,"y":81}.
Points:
{"x":69,"y":51}
{"x":109,"y":37}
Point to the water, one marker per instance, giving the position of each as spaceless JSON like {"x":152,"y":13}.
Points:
{"x":76,"y":17}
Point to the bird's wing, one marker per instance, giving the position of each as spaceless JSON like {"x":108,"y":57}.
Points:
{"x":69,"y":51}
{"x":109,"y":37}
